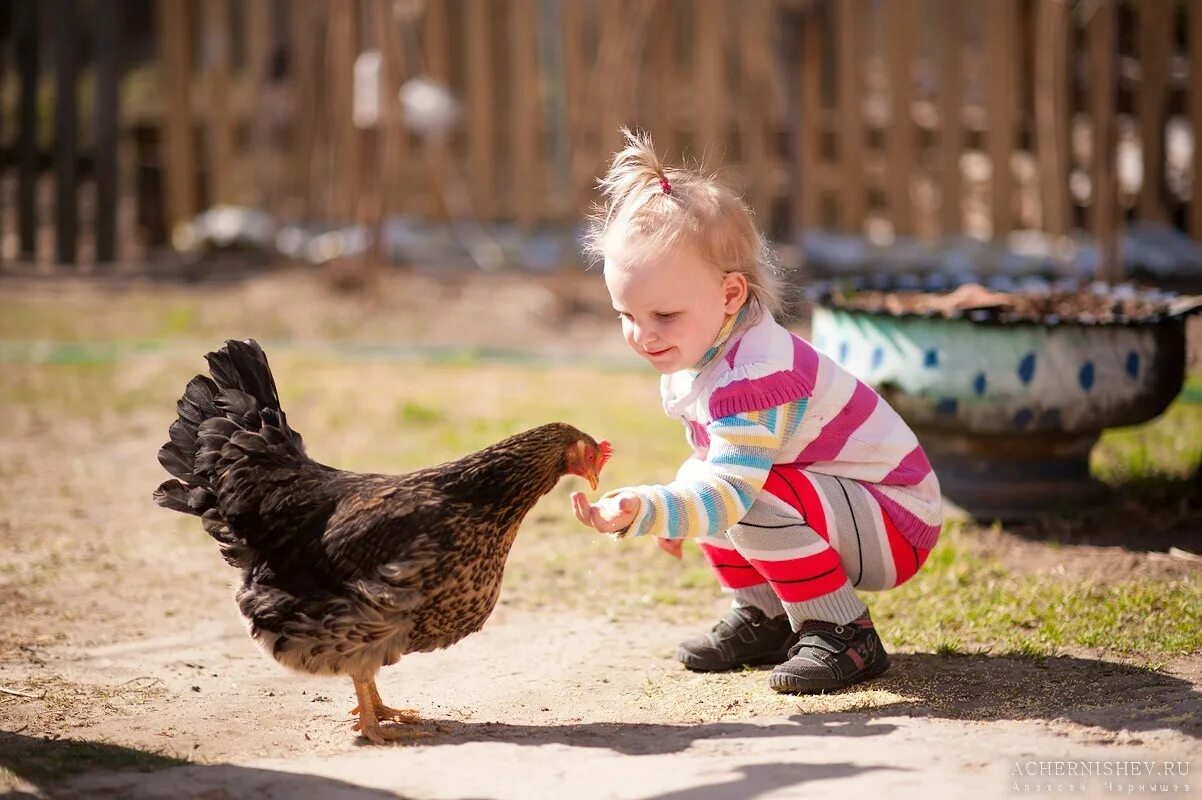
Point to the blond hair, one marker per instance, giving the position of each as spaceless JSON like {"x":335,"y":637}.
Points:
{"x":648,"y":208}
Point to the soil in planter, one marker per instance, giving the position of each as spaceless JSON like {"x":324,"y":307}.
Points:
{"x":1123,"y":305}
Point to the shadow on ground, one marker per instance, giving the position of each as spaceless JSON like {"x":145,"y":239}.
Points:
{"x":35,"y":760}
{"x":45,"y":764}
{"x":755,"y":780}
{"x":1080,"y":690}
{"x":1149,"y":513}
{"x":644,"y":739}
{"x":972,"y":687}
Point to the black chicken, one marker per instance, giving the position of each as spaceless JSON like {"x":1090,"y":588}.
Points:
{"x":343,"y":573}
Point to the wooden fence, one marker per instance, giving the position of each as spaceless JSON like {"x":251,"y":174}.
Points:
{"x":25,"y":158}
{"x":886,"y":117}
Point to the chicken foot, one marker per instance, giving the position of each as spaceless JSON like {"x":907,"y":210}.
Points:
{"x":371,"y":711}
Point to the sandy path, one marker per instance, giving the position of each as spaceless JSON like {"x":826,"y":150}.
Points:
{"x":570,"y":705}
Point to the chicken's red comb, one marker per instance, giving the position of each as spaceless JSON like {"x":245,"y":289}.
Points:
{"x":607,"y":450}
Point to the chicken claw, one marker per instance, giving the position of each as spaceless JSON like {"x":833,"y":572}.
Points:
{"x":374,"y":711}
{"x":393,"y":714}
{"x":378,"y":734}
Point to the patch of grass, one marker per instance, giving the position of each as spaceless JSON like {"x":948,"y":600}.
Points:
{"x":93,"y":315}
{"x":1153,"y":462}
{"x":948,"y":647}
{"x":961,"y":595}
{"x":416,"y":413}
{"x":45,"y":395}
{"x":39,"y":760}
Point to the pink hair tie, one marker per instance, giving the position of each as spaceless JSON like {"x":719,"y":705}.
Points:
{"x":664,"y":185}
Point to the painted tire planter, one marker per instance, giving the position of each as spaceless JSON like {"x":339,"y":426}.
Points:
{"x":1008,"y":413}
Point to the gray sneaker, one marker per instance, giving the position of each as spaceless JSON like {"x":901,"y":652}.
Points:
{"x":744,"y":636}
{"x":829,"y":656}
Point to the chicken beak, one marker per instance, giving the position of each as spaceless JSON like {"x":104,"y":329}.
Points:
{"x":580,"y":464}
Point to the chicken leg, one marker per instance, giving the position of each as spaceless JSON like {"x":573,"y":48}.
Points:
{"x":371,"y":711}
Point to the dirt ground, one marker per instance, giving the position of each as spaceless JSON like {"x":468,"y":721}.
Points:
{"x":119,"y":631}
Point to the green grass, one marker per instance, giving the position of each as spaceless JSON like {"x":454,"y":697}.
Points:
{"x":1154,"y":462}
{"x":963,"y":596}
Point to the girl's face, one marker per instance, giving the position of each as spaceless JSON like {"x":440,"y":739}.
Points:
{"x":672,"y":307}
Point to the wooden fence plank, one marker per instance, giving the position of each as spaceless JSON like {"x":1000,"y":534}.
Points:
{"x":260,"y":46}
{"x":665,"y":53}
{"x":551,"y":96}
{"x":305,"y":54}
{"x":1052,"y":112}
{"x":1102,"y":35}
{"x":1195,"y":115}
{"x":755,"y":107}
{"x":1154,"y":36}
{"x":901,"y":17}
{"x":612,"y":67}
{"x":217,"y":65}
{"x":109,"y":53}
{"x":436,"y":55}
{"x":481,"y":102}
{"x":576,"y":83}
{"x":27,"y":35}
{"x":807,"y":193}
{"x":437,"y":40}
{"x":709,"y":95}
{"x":950,"y":33}
{"x":6,"y":19}
{"x":388,"y":129}
{"x":175,"y":52}
{"x":346,"y":174}
{"x":528,"y":184}
{"x":395,"y":147}
{"x":850,"y":44}
{"x":65,"y":124}
{"x":1001,"y":93}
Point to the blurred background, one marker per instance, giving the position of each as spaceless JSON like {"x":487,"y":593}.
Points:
{"x":469,"y":132}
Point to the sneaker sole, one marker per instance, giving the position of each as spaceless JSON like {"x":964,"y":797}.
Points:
{"x":793,"y":684}
{"x":698,"y":664}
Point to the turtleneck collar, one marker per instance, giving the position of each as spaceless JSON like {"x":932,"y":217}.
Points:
{"x":733,"y":323}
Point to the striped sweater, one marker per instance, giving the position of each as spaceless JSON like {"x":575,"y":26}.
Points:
{"x":763,"y":396}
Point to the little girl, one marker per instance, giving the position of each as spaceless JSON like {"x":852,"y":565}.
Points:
{"x":804,"y":485}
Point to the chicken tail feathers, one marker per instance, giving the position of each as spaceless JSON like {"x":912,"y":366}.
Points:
{"x":231,"y":418}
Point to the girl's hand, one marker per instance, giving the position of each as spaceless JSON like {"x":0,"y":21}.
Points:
{"x":610,"y":514}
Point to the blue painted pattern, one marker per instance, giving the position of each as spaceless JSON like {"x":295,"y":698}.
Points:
{"x":1026,"y":368}
{"x":1133,"y":364}
{"x":1085,"y":376}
